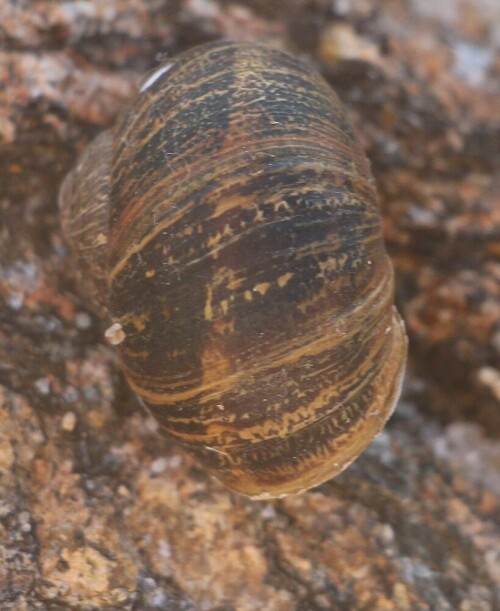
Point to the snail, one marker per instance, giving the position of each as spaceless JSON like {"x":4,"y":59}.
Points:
{"x":228,"y":228}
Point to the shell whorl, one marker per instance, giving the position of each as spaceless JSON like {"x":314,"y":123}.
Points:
{"x":247,"y":269}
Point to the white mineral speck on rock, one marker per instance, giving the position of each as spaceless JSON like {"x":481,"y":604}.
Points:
{"x":472,"y":62}
{"x":71,"y":394}
{"x":157,"y":599}
{"x":490,"y":377}
{"x":42,"y":385}
{"x":68,"y":422}
{"x":268,"y":512}
{"x":386,"y":533}
{"x":174,"y":462}
{"x":202,"y":9}
{"x":15,"y":300}
{"x":24,"y":521}
{"x":115,"y":334}
{"x":83,"y":321}
{"x":159,"y":465}
{"x":164,"y":549}
{"x":150,"y":424}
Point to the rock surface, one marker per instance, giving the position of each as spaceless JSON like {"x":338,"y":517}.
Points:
{"x":97,"y":510}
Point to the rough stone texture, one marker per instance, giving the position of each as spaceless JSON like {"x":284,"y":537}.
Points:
{"x":97,"y":510}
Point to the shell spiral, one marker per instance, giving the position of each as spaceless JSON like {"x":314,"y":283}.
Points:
{"x":234,"y":229}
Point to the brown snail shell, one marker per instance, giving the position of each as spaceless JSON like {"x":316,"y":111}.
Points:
{"x":229,"y":227}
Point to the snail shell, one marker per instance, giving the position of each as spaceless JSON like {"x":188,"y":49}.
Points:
{"x":229,"y":228}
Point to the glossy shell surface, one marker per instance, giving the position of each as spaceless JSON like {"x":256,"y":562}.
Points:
{"x":246,"y":268}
